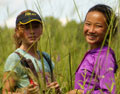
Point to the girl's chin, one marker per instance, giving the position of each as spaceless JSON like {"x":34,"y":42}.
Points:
{"x":31,"y":42}
{"x":91,"y":41}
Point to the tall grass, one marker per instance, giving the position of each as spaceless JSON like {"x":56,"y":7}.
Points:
{"x":65,"y":44}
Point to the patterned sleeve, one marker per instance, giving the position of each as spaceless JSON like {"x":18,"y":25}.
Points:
{"x":12,"y":63}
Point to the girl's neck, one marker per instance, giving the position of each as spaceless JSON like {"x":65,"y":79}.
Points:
{"x":97,"y":45}
{"x":32,"y":50}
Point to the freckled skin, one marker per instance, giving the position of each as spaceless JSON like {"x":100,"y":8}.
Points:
{"x":95,"y":28}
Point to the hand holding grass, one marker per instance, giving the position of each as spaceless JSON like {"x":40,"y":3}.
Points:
{"x":31,"y":89}
{"x":54,"y":86}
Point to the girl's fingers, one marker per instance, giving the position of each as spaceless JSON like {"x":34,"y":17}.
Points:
{"x":33,"y":89}
{"x":57,"y":86}
{"x":30,"y":86}
{"x":53,"y":85}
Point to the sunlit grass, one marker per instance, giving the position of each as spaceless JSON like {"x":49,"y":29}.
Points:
{"x":65,"y":44}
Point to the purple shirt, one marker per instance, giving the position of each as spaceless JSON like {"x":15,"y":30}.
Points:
{"x":100,"y":63}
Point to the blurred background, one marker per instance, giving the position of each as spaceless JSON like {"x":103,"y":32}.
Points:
{"x":63,"y":35}
{"x":61,"y":9}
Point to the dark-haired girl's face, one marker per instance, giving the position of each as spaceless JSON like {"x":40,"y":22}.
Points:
{"x":32,"y":32}
{"x":95,"y":28}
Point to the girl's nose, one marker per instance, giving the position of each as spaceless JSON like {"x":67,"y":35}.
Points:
{"x":92,"y":29}
{"x":32,"y":32}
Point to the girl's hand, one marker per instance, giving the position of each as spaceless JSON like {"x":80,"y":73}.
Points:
{"x":31,"y":89}
{"x":75,"y":91}
{"x":54,"y":85}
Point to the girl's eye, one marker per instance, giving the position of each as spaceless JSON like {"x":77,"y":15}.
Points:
{"x":98,"y":26}
{"x":36,"y":26}
{"x":88,"y":24}
{"x":27,"y":26}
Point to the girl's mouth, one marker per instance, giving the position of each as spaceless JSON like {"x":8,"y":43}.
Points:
{"x":32,"y":38}
{"x":91,"y":36}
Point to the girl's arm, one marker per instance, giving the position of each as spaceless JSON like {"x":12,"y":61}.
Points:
{"x":106,"y":76}
{"x":9,"y":84}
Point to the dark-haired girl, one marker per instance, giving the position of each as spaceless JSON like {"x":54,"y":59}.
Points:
{"x":95,"y":74}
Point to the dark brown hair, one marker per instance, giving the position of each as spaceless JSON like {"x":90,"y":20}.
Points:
{"x":111,"y":18}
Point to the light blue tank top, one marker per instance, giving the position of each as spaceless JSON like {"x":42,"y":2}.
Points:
{"x":13,"y":64}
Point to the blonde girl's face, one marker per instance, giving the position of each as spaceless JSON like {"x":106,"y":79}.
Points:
{"x":32,"y":33}
{"x":95,"y":28}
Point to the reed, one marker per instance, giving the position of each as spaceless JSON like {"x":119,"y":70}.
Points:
{"x":66,"y":46}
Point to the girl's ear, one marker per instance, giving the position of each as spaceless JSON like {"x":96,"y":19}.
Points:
{"x":17,"y":34}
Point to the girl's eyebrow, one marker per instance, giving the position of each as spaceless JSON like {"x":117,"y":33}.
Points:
{"x":91,"y":21}
{"x":99,"y":23}
{"x":87,"y":21}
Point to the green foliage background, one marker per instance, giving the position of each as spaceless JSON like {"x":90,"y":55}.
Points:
{"x":60,"y":41}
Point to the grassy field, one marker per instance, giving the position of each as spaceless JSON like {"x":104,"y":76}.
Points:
{"x":67,"y":46}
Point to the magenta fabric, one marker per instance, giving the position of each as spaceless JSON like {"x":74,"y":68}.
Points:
{"x":96,"y":72}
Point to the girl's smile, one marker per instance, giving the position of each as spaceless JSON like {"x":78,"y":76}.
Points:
{"x":91,"y":36}
{"x":95,"y":28}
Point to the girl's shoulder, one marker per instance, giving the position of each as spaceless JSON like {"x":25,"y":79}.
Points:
{"x":44,"y":54}
{"x":12,"y":61}
{"x":13,"y":57}
{"x":101,"y":55}
{"x":108,"y":52}
{"x":102,"y":52}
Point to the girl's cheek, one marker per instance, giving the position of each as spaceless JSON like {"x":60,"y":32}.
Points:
{"x":84,"y":29}
{"x":40,"y":32}
{"x":26,"y":32}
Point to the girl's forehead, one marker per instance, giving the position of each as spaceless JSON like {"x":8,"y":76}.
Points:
{"x":95,"y":15}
